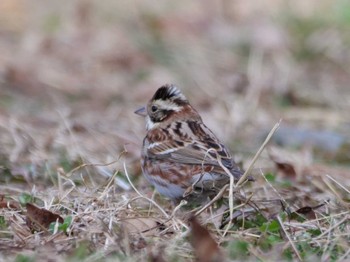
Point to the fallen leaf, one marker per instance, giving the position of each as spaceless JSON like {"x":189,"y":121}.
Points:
{"x":4,"y":203}
{"x":39,"y":219}
{"x":290,"y":164}
{"x":148,"y":226}
{"x":205,"y":247}
{"x":306,"y":212}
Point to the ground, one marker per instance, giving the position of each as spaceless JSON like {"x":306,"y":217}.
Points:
{"x":73,"y":72}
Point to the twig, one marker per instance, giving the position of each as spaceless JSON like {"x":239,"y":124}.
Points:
{"x":281,"y":200}
{"x":334,"y":191}
{"x":340,"y":185}
{"x":232,"y":185}
{"x":346,"y":218}
{"x":111,"y":180}
{"x":250,"y":167}
{"x":181,"y":204}
{"x":289,"y":239}
{"x":243,"y":178}
{"x":60,"y":175}
{"x":219,"y":195}
{"x":343,"y":257}
{"x":142,"y":196}
{"x":94,"y":165}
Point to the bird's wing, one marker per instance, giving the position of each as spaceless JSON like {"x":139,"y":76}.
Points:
{"x":183,"y":146}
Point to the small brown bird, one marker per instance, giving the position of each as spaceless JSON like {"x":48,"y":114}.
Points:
{"x":180,"y":152}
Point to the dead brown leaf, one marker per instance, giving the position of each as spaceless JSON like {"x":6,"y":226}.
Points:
{"x":205,"y":247}
{"x":290,"y":164}
{"x":148,"y":226}
{"x":307,"y":212}
{"x":4,"y":203}
{"x":39,"y":219}
{"x":299,"y":164}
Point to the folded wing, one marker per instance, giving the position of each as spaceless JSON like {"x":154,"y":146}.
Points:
{"x":194,"y":145}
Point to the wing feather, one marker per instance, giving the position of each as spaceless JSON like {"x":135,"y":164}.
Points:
{"x":193,"y":144}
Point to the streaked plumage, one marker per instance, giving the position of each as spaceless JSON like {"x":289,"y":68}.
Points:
{"x":179,"y":151}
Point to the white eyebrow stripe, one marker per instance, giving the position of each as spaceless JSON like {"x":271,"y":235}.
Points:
{"x":168,"y":105}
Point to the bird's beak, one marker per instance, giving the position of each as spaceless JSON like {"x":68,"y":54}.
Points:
{"x":141,"y":111}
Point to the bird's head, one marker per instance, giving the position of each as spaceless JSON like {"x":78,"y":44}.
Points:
{"x":168,"y":102}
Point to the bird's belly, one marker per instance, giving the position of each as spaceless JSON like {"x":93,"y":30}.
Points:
{"x":174,"y":179}
{"x":165,"y":188}
{"x":209,"y":180}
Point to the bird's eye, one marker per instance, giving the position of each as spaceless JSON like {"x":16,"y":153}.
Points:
{"x":154,"y":108}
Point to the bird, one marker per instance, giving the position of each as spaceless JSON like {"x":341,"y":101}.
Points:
{"x":180,"y":155}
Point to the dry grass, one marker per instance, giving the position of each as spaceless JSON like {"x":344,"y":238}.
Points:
{"x":72,"y":74}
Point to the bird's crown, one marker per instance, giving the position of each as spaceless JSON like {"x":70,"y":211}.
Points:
{"x":170,"y":92}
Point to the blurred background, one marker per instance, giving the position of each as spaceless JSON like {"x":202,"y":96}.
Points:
{"x":73,"y":72}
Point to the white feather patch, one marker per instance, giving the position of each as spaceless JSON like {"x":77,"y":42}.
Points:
{"x":150,"y":146}
{"x":168,"y":105}
{"x":170,"y":150}
{"x":149,"y":123}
